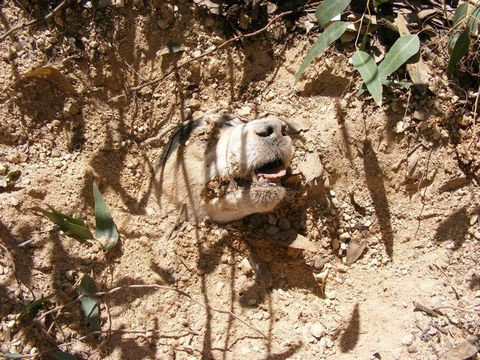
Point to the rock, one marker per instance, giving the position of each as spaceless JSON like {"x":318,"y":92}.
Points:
{"x":329,"y":342}
{"x":3,"y":169}
{"x":464,"y":350}
{"x":412,"y":349}
{"x":17,"y":158}
{"x":418,"y":115}
{"x":344,"y":236}
{"x":283,"y":223}
{"x":476,"y":235}
{"x":408,"y":340}
{"x":194,"y":104}
{"x":473,"y":220}
{"x":330,"y":294}
{"x":318,"y":330}
{"x":246,"y":267}
{"x":320,"y":262}
{"x":244,"y":111}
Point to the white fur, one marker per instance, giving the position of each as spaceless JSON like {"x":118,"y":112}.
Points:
{"x":234,"y":153}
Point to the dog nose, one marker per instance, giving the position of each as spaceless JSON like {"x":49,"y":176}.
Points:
{"x":269,"y":128}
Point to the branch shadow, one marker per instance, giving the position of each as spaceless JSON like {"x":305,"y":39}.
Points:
{"x":453,"y":228}
{"x":376,"y":188}
{"x":350,"y":336}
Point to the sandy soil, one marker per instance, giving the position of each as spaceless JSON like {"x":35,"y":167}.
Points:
{"x":396,"y":180}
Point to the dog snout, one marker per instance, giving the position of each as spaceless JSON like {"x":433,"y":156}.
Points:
{"x":269,"y":128}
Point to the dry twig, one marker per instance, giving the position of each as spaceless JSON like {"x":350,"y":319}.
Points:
{"x":209,"y":52}
{"x":34,"y":22}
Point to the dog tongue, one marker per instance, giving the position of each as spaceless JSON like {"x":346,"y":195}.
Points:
{"x":275,"y":173}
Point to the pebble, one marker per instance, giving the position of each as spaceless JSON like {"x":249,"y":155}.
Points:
{"x":318,"y":330}
{"x":244,"y":111}
{"x":476,"y":235}
{"x":412,"y":349}
{"x":245,"y":266}
{"x":418,"y":115}
{"x":320,"y":262}
{"x":344,"y":236}
{"x":408,"y":340}
{"x":194,"y":104}
{"x":330,"y":294}
{"x":3,"y":169}
{"x":473,"y":219}
{"x":329,"y":342}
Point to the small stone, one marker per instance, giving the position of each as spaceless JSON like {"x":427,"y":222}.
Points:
{"x":11,"y":324}
{"x":17,"y":158}
{"x":472,"y":339}
{"x":244,"y":111}
{"x":318,"y":330}
{"x":476,"y":235}
{"x":330,"y":294}
{"x":344,"y":236}
{"x":320,"y":262}
{"x":408,"y":340}
{"x":3,"y":169}
{"x":246,"y":267}
{"x":473,"y":220}
{"x":418,"y":115}
{"x":284,"y":224}
{"x":70,"y":274}
{"x":412,"y":349}
{"x":399,"y":127}
{"x":329,"y":342}
{"x":194,"y":104}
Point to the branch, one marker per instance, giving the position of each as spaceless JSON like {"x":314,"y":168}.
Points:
{"x":209,"y":52}
{"x":154,"y":286}
{"x":33,"y":22}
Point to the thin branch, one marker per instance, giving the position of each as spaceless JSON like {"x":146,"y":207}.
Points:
{"x":209,"y":52}
{"x":183,"y":293}
{"x":34,"y":22}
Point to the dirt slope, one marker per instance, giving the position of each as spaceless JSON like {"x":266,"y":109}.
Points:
{"x":399,"y":192}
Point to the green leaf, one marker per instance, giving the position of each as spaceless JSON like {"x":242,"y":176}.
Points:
{"x":473,"y":21}
{"x":71,"y":226}
{"x":460,"y":49}
{"x":331,"y":33}
{"x":105,"y":227}
{"x":377,"y":3}
{"x":328,"y":9}
{"x":34,"y":305}
{"x":61,"y":355}
{"x":460,"y":14}
{"x":10,"y":178}
{"x":12,"y":356}
{"x":397,"y":83}
{"x":402,"y":50}
{"x":367,"y":68}
{"x":90,"y":302}
{"x":174,"y":48}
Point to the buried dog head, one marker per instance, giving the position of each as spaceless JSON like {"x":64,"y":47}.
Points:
{"x":225,"y":169}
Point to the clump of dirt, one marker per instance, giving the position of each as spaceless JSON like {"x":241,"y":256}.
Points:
{"x":399,"y":182}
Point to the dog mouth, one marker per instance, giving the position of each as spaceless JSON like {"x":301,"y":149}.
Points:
{"x":271,"y":172}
